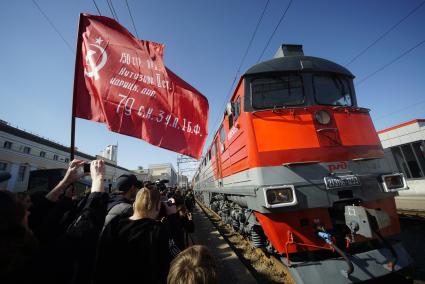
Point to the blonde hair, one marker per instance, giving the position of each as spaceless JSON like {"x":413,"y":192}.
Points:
{"x":147,"y":200}
{"x":192,"y":266}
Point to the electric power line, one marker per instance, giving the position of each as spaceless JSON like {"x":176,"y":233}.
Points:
{"x":53,"y":26}
{"x":132,"y":20}
{"x":390,"y":63}
{"x":243,"y":59}
{"x":275,"y":29}
{"x":252,"y":38}
{"x":97,"y":8}
{"x":112,"y":11}
{"x":385,"y":33}
{"x":401,"y":109}
{"x":246,"y":51}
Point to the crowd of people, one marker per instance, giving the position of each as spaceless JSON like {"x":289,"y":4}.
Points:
{"x":139,"y":232}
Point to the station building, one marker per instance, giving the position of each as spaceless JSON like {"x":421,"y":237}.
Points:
{"x":22,"y":152}
{"x":163,"y":171}
{"x":404,"y":147}
{"x":183,"y":181}
{"x":142,"y":174}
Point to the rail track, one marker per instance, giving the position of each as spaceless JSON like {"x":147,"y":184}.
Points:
{"x":412,"y":233}
{"x":268,"y":269}
{"x":264,"y":267}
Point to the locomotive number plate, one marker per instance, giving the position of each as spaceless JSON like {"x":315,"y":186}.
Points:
{"x":341,"y":181}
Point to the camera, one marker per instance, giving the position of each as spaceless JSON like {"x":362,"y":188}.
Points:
{"x":160,"y":184}
{"x":86,"y":168}
{"x":163,"y":209}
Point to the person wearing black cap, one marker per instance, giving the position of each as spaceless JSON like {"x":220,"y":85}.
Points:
{"x":122,"y":199}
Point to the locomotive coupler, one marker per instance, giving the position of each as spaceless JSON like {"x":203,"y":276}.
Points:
{"x":364,"y":221}
{"x":368,"y":222}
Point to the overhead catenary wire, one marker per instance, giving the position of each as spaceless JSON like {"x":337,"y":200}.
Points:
{"x":132,"y":20}
{"x":385,"y":33}
{"x":274,"y":31}
{"x":111,"y":10}
{"x":97,"y":8}
{"x":385,"y":66}
{"x":242,"y":60}
{"x":251,"y":40}
{"x":390,"y":63}
{"x":54,"y":27}
{"x":401,"y":109}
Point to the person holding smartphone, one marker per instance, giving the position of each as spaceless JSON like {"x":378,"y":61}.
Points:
{"x":187,"y":223}
{"x":183,"y":226}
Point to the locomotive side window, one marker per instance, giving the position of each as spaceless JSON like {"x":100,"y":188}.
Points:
{"x":230,"y":118}
{"x":277,"y":92}
{"x":213,"y":150}
{"x":222,"y":138}
{"x":237,"y":107}
{"x":236,"y":110}
{"x":332,"y":90}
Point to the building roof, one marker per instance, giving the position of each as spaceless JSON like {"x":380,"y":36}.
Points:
{"x":4,"y":126}
{"x":401,"y":125}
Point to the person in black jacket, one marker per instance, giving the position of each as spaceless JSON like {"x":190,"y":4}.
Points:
{"x":189,"y":200}
{"x":54,"y":255}
{"x":120,"y":202}
{"x":17,"y":243}
{"x":82,"y":236}
{"x":139,"y":247}
{"x":68,"y":256}
{"x":187,"y":224}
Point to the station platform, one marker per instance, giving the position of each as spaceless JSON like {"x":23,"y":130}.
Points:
{"x":231,"y":269}
{"x":411,"y":202}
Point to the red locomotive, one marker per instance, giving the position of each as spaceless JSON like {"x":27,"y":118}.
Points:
{"x":298,"y":166}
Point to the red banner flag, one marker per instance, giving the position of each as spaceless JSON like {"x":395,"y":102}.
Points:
{"x":122,"y":81}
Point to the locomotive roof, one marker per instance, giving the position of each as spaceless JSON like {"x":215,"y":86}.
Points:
{"x":299,"y":64}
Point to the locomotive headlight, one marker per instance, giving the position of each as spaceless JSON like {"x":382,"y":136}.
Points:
{"x":322,"y":117}
{"x":394,"y":182}
{"x":280,"y":196}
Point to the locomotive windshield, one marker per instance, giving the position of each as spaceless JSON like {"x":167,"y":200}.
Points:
{"x":276,"y":92}
{"x":332,"y":90}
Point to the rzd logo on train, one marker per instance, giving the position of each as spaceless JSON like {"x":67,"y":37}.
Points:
{"x":337,"y":166}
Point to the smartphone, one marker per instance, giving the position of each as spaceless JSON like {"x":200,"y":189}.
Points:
{"x":86,"y":168}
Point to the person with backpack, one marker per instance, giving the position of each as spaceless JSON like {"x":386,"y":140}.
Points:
{"x":122,"y":198}
{"x":138,"y":247}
